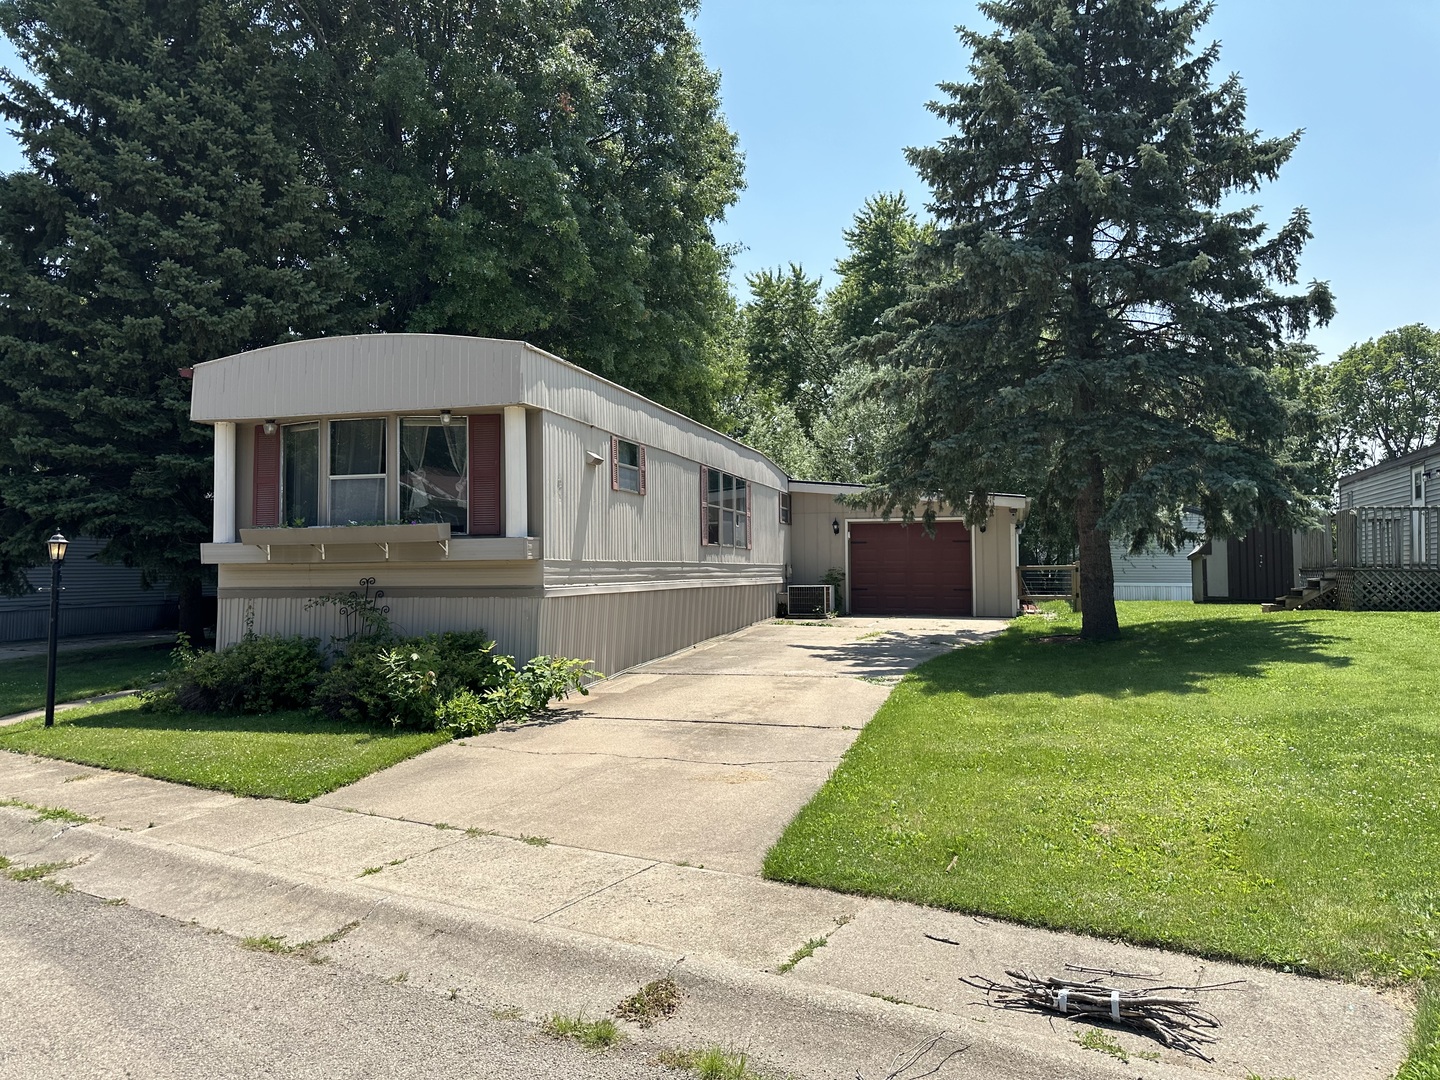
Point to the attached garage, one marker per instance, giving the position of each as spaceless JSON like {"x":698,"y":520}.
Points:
{"x":898,"y":569}
{"x":889,"y":568}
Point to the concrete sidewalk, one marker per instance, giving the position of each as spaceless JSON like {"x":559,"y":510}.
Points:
{"x":559,"y":866}
{"x":20,"y":650}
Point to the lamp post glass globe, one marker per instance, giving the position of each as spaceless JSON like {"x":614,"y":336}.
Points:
{"x":57,"y":545}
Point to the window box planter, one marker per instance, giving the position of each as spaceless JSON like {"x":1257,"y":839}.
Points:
{"x":426,"y":533}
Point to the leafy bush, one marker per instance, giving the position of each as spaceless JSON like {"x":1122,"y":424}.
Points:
{"x":406,"y":680}
{"x":255,"y":675}
{"x":518,"y":698}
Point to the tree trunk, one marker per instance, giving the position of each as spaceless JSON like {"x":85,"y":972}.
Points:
{"x":1099,"y":621}
{"x":192,"y":612}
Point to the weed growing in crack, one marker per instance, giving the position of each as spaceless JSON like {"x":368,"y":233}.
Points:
{"x":591,"y":1034}
{"x":712,"y":1063}
{"x":803,"y":953}
{"x":535,"y":841}
{"x":655,"y":1001}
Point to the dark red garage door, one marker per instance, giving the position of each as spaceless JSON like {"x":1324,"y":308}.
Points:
{"x":899,"y":570}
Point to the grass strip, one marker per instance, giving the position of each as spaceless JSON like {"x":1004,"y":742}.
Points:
{"x":80,"y":674}
{"x":295,"y":755}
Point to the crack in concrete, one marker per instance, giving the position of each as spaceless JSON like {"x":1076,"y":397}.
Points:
{"x":596,"y":892}
{"x":712,"y":723}
{"x":662,"y":757}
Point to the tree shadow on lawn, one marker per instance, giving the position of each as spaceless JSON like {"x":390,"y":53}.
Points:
{"x":1154,"y":657}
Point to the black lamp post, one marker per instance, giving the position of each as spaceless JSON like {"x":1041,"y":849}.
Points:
{"x":56,"y":545}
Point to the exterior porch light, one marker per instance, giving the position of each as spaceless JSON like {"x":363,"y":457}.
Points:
{"x":444,"y":416}
{"x":835,"y":526}
{"x":269,"y":427}
{"x":55,"y":546}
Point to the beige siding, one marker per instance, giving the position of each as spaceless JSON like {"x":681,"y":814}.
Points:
{"x":510,"y":620}
{"x":619,"y":630}
{"x":416,"y":373}
{"x":614,"y":630}
{"x":815,"y":548}
{"x":591,"y":523}
{"x":995,"y":554}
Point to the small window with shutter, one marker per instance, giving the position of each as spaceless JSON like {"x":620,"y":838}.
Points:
{"x":627,"y":466}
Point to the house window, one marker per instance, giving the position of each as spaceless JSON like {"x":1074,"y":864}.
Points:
{"x":627,"y":466}
{"x":727,"y":510}
{"x":784,"y":508}
{"x":433,"y":483}
{"x":357,"y":471}
{"x":1417,"y":486}
{"x":300,"y":474}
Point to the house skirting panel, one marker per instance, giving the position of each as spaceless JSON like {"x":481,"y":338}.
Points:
{"x":617,"y":630}
{"x":1380,"y":589}
{"x":1177,"y":591}
{"x":614,"y":630}
{"x":510,"y":620}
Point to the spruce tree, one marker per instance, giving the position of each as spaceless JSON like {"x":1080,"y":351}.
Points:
{"x":164,"y":220}
{"x":1100,"y":313}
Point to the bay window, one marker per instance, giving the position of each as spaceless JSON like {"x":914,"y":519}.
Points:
{"x":433,"y":482}
{"x":357,"y":471}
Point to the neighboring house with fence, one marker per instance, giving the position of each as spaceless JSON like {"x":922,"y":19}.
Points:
{"x":1380,"y":551}
{"x":487,"y":484}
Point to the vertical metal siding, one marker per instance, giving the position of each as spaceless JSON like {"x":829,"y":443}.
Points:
{"x":619,"y":630}
{"x":511,"y":621}
{"x":587,"y":520}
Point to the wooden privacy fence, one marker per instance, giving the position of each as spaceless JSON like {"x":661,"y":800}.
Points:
{"x":1039,"y":583}
{"x":1389,"y":537}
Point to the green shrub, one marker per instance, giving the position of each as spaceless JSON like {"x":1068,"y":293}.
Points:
{"x":255,"y":675}
{"x":519,"y":697}
{"x":405,"y":681}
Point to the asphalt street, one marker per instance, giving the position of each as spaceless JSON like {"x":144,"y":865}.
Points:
{"x":90,"y":990}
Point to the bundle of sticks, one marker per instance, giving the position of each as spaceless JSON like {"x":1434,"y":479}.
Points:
{"x":1170,"y":1014}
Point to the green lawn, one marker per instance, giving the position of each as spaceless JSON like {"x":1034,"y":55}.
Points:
{"x":286,"y":755}
{"x":1265,"y":788}
{"x":79,"y":675}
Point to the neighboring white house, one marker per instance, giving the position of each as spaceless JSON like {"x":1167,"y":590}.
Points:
{"x":489,"y":484}
{"x":1411,"y":480}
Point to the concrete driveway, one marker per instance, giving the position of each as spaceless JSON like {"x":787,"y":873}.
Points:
{"x":701,"y":758}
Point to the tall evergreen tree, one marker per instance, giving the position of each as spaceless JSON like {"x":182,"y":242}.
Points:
{"x":1099,"y":318}
{"x":878,"y":269}
{"x":164,"y":220}
{"x":543,"y":169}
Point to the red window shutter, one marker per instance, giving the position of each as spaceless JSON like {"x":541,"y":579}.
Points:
{"x":485,"y":438}
{"x":265,"y":504}
{"x":614,"y":462}
{"x":704,"y":509}
{"x":642,"y":470}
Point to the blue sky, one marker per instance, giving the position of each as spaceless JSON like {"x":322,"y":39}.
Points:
{"x":825,"y":95}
